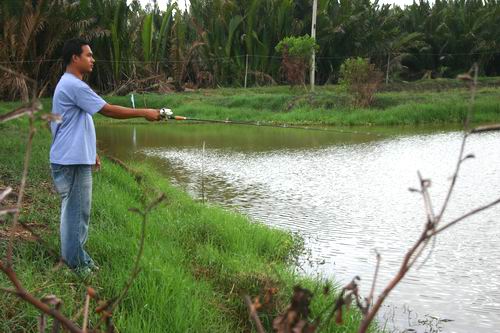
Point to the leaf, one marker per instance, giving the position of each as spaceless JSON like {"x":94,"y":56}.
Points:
{"x":161,"y":43}
{"x":233,"y":25}
{"x":147,"y":36}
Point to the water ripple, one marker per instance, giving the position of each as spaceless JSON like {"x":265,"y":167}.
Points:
{"x":348,"y":198}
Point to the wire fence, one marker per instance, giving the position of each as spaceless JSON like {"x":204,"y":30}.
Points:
{"x":226,"y":58}
{"x":240,"y":71}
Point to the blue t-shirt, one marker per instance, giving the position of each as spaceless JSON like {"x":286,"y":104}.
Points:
{"x":73,"y":140}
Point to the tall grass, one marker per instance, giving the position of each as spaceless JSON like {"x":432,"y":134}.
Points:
{"x":198,"y":261}
{"x":328,"y":106}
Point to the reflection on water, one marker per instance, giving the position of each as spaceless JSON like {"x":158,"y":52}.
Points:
{"x":348,"y":195}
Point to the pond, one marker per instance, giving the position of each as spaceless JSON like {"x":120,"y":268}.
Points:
{"x":347,"y":195}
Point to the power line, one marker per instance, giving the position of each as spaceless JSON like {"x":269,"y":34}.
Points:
{"x":208,"y":59}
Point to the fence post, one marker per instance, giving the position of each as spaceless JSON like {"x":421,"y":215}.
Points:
{"x":387,"y":70}
{"x":246,"y":70}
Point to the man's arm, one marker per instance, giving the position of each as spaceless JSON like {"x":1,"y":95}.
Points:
{"x":120,"y":112}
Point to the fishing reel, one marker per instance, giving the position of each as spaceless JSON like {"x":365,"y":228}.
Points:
{"x":166,"y":114}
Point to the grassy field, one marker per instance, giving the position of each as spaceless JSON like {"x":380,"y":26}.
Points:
{"x":420,"y":104}
{"x":428,"y":102}
{"x":198,"y":260}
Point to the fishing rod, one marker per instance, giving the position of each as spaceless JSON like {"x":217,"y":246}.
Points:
{"x":168,"y":114}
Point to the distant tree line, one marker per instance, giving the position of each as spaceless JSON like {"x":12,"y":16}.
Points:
{"x":215,"y":42}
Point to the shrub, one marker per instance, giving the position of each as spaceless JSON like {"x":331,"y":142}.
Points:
{"x":296,"y":52}
{"x":361,"y":79}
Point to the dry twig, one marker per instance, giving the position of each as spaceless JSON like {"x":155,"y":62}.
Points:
{"x":252,"y":312}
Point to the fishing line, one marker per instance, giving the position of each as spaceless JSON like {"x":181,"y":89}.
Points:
{"x":168,"y":114}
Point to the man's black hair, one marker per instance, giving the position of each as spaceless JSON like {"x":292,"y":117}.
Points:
{"x":72,"y":47}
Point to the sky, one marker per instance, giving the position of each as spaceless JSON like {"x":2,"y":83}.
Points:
{"x":182,"y":3}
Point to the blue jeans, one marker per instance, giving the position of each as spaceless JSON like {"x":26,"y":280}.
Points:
{"x":74,"y":184}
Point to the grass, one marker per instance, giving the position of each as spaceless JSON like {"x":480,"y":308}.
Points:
{"x":198,"y":260}
{"x":329,"y":106}
{"x":427,"y":102}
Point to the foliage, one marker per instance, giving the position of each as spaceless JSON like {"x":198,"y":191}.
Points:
{"x":331,"y":105}
{"x":208,"y":44}
{"x":361,"y":79}
{"x":301,"y":46}
{"x":296,"y":53}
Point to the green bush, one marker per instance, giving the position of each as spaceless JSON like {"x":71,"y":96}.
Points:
{"x":361,"y":78}
{"x":296,"y":53}
{"x":301,"y":46}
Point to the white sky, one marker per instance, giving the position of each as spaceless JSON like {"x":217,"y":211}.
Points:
{"x":183,"y":3}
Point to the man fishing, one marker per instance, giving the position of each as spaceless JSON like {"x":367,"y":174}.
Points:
{"x":73,"y":150}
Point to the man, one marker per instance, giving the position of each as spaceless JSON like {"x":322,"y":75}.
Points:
{"x":73,"y":150}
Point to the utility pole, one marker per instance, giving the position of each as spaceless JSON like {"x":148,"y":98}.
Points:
{"x":313,"y":35}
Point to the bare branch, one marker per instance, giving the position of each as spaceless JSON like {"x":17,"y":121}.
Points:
{"x":424,"y":185}
{"x":52,"y":117}
{"x":473,"y":85}
{"x":341,"y":301}
{"x":472,"y":212}
{"x":428,"y":254}
{"x":253,"y":315}
{"x":421,"y":247}
{"x":42,"y":322}
{"x":487,"y":128}
{"x":368,"y":318}
{"x":155,"y":203}
{"x":137,"y":175}
{"x":375,"y":275}
{"x":5,"y":193}
{"x":8,"y":257}
{"x":23,"y":294}
{"x":10,"y":210}
{"x":86,"y":313}
{"x":23,"y":110}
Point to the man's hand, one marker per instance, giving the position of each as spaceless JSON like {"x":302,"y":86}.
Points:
{"x":152,"y":114}
{"x":97,"y":165}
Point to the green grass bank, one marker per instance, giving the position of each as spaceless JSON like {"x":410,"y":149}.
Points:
{"x":439,"y":102}
{"x":198,"y":259}
{"x":425,"y":102}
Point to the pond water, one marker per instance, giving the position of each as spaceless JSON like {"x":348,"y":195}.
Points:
{"x":347,"y":195}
